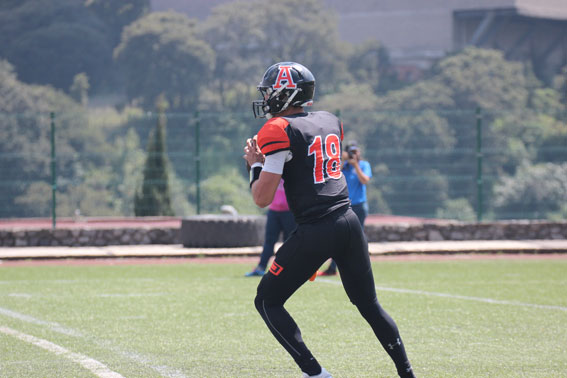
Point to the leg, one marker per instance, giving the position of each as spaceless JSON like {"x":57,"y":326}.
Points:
{"x":358,"y":281}
{"x":287,"y":222}
{"x":361,"y":211}
{"x":295,"y":262}
{"x":387,"y":333}
{"x":332,"y":269}
{"x":271,"y":237}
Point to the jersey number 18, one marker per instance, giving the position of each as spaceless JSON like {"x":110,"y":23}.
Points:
{"x":327,"y":158}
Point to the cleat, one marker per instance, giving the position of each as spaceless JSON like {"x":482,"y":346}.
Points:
{"x":256,"y":272}
{"x":324,"y":374}
{"x":327,"y":273}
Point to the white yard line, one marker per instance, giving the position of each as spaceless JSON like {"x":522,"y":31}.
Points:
{"x":454,"y":296}
{"x":130,"y":295}
{"x":97,"y":368}
{"x":164,"y":371}
{"x":56,"y":327}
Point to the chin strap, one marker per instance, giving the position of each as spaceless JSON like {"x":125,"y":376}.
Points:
{"x":285,"y":106}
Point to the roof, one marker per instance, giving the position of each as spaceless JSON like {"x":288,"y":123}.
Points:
{"x":553,"y":9}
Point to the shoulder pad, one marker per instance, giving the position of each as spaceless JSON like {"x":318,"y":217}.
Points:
{"x":272,"y":137}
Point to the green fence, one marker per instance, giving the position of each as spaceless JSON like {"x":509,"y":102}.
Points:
{"x":467,"y":164}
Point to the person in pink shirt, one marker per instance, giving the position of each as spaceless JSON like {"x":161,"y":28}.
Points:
{"x":280,"y":219}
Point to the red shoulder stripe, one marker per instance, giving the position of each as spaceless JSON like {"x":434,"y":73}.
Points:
{"x":272,"y":137}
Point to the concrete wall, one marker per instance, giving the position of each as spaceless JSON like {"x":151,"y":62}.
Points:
{"x":408,"y":28}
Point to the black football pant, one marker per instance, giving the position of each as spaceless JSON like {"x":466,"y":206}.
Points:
{"x":338,"y":236}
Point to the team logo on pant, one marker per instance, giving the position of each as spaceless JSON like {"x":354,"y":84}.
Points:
{"x":397,"y":343}
{"x":276,"y":269}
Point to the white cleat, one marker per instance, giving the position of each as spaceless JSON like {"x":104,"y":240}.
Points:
{"x":323,"y":374}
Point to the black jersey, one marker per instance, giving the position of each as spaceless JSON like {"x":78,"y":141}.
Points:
{"x":313,"y":181}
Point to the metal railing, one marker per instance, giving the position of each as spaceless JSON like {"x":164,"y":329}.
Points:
{"x":433,"y":163}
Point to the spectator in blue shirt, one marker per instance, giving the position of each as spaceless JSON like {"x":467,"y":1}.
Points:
{"x":357,"y":173}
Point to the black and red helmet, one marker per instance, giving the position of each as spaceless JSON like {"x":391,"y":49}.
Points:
{"x":284,"y":84}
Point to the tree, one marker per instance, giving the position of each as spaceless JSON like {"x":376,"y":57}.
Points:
{"x":162,"y":55}
{"x":227,"y":188}
{"x":86,"y":151}
{"x":305,"y":31}
{"x":236,"y":36}
{"x":49,"y":42}
{"x":249,"y":36}
{"x":535,"y":191}
{"x":154,"y":196}
{"x":413,"y":146}
{"x":369,"y":63}
{"x":79,"y":90}
{"x":458,"y":208}
{"x":430,"y":126}
{"x":24,"y":135}
{"x":483,"y":77}
{"x":118,"y":14}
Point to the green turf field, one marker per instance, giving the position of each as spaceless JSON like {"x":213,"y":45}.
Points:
{"x":491,"y":318}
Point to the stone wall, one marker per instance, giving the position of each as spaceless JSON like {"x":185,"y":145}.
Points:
{"x":236,"y":231}
{"x":510,"y":230}
{"x":88,"y":237}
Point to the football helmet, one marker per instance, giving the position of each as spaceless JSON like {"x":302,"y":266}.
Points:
{"x":284,"y":84}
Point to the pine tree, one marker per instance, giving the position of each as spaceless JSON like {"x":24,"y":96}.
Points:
{"x":154,"y":197}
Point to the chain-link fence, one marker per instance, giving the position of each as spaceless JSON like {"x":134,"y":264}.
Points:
{"x":467,"y":164}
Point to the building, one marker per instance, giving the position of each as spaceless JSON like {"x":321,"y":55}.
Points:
{"x":418,"y":32}
{"x":533,"y":31}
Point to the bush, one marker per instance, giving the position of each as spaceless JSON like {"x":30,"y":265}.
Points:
{"x":536,"y":191}
{"x":459,"y":209}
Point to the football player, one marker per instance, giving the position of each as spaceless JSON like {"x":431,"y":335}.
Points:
{"x":304,"y":148}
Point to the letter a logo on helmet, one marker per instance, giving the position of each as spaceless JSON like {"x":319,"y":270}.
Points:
{"x":284,"y":84}
{"x":284,"y":76}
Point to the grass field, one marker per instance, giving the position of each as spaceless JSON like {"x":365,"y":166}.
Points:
{"x":487,"y":318}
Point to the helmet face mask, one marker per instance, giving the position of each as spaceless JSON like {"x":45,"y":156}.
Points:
{"x":284,"y":84}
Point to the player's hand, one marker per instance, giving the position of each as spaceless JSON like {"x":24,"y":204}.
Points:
{"x":252,"y":153}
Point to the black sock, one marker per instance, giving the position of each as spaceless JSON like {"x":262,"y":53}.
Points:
{"x":310,"y":367}
{"x":406,"y":371}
